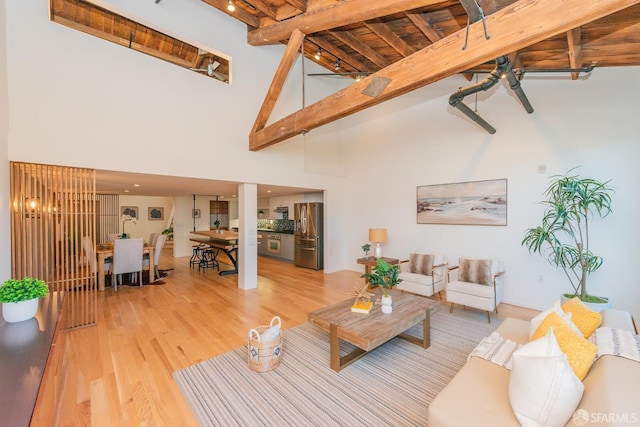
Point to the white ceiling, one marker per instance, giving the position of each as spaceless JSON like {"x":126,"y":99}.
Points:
{"x":136,"y":184}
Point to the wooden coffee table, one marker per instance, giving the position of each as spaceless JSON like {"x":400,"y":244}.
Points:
{"x":368,"y":331}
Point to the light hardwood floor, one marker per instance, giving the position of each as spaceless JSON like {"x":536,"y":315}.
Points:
{"x":118,"y":373}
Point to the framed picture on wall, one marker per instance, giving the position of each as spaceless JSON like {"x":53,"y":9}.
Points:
{"x":195,"y":213}
{"x":132,"y":211}
{"x":156,"y":214}
{"x":463,"y":203}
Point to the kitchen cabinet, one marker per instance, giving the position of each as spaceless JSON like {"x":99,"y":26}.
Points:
{"x":282,"y":244}
{"x":287,"y":246}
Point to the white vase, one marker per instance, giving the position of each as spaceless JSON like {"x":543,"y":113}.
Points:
{"x":387,"y":308}
{"x":13,"y":312}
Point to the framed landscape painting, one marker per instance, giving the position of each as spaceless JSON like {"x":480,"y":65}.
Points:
{"x":156,"y":214}
{"x":463,"y":203}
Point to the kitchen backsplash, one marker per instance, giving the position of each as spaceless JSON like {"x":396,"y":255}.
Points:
{"x":279,"y":225}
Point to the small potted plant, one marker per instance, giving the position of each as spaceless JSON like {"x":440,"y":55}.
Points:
{"x":19,"y":298}
{"x":216,"y":223}
{"x":366,"y":248}
{"x":386,"y":276}
{"x":168,"y":232}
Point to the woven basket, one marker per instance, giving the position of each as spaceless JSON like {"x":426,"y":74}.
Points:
{"x":264,"y":354}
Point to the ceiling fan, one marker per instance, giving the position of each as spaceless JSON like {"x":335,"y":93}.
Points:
{"x":211,"y":71}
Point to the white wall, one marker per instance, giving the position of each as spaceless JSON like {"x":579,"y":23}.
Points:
{"x":419,"y":140}
{"x":5,"y":221}
{"x":144,"y":227}
{"x":100,"y":105}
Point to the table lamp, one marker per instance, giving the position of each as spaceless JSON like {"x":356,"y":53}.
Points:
{"x":378,"y":235}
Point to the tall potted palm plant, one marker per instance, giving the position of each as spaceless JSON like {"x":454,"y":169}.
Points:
{"x":563,"y":237}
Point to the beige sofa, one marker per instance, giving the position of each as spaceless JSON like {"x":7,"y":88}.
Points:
{"x":478,"y":394}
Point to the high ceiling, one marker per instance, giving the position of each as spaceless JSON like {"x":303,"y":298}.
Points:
{"x":391,"y":47}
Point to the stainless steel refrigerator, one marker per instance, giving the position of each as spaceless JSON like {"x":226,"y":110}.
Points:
{"x":308,"y":219}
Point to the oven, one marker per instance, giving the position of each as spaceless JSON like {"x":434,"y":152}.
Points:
{"x":273,"y":244}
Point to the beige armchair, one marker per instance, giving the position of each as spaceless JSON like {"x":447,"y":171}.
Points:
{"x":423,"y":274}
{"x":478,"y":285}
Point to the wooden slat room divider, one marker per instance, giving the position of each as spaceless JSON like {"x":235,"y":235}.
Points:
{"x":53,"y":209}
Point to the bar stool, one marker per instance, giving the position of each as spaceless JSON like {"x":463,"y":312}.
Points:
{"x":198,"y":254}
{"x":209,"y":259}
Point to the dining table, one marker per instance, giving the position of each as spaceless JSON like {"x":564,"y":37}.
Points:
{"x":224,"y":240}
{"x":105,"y":250}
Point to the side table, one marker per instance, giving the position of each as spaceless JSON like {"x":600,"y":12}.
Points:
{"x":371,"y":261}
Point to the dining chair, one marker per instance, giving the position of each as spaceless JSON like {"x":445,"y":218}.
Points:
{"x":127,"y":258}
{"x":152,"y":238}
{"x":156,"y":254}
{"x":92,"y":260}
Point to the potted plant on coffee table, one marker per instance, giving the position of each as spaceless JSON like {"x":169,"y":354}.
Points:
{"x":386,"y":276}
{"x":563,"y":237}
{"x":19,"y":298}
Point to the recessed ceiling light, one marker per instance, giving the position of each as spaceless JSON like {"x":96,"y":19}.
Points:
{"x":136,"y":185}
{"x":268,"y":191}
{"x":126,"y":191}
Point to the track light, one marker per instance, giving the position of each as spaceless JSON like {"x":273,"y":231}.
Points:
{"x":231,"y":6}
{"x":336,"y":65}
{"x":318,"y":54}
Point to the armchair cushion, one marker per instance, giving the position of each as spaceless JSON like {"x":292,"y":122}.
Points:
{"x":475,"y":271}
{"x":420,"y":279}
{"x":421,"y":264}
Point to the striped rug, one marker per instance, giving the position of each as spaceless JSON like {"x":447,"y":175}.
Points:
{"x":391,"y":386}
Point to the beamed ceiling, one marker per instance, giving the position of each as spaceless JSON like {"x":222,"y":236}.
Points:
{"x":401,"y":45}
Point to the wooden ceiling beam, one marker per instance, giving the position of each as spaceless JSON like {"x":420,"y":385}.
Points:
{"x":425,"y":26}
{"x":288,"y":58}
{"x":392,"y":39}
{"x":265,"y":8}
{"x":301,"y":5}
{"x":363,"y":49}
{"x":339,"y":53}
{"x":332,"y":16}
{"x":575,"y":50}
{"x":239,"y":13}
{"x":519,"y":25}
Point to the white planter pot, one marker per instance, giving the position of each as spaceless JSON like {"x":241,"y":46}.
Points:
{"x":387,"y":308}
{"x":13,"y":312}
{"x":593,"y":306}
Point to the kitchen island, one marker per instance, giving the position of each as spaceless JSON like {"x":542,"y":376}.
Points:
{"x":224,"y":240}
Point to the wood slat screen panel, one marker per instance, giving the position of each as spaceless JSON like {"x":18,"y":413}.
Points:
{"x":108,"y":216}
{"x":53,"y":209}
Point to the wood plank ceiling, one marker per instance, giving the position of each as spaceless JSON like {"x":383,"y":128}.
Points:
{"x":390,"y":47}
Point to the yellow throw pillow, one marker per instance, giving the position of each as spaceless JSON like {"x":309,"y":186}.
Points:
{"x":580,"y":352}
{"x":582,"y":316}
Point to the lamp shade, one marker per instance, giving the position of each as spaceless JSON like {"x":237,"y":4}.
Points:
{"x":378,"y":235}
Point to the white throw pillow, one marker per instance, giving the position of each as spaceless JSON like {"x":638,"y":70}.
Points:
{"x":536,"y":321}
{"x":543,"y":390}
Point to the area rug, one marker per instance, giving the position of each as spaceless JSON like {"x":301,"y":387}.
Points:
{"x":391,"y":386}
